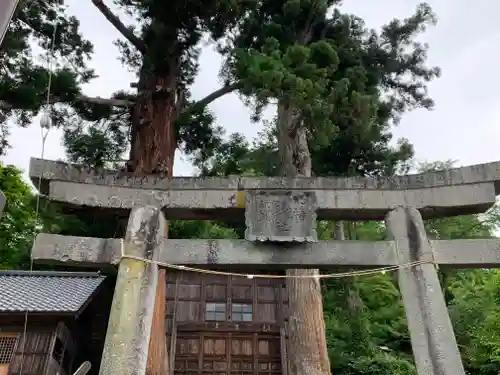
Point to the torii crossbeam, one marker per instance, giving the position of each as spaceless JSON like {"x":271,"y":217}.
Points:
{"x":280,"y":215}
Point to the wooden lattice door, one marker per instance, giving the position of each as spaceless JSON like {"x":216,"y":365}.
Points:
{"x":214,"y":353}
{"x":8,"y":343}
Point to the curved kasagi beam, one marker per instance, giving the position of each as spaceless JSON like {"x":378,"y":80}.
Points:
{"x":50,"y":170}
{"x":451,"y":192}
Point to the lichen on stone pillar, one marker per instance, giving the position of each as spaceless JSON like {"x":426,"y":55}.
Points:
{"x":129,"y":328}
{"x":433,"y":341}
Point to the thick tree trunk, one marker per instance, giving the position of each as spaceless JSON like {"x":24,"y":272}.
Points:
{"x":295,"y":157}
{"x":157,"y":355}
{"x":153,"y":140}
{"x":152,"y":150}
{"x":307,"y":351}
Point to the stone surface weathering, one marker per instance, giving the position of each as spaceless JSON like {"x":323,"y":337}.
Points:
{"x":436,"y":194}
{"x":280,"y":216}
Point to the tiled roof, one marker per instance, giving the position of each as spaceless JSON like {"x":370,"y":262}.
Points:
{"x":40,"y":291}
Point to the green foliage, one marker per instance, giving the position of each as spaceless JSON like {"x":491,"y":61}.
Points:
{"x":350,"y":85}
{"x":199,"y":229}
{"x":474,"y":311}
{"x":25,"y":76}
{"x":20,"y":219}
{"x":382,"y":364}
{"x":365,"y":322}
{"x":95,"y":145}
{"x":166,"y":45}
{"x":292,"y":75}
{"x":332,"y":68}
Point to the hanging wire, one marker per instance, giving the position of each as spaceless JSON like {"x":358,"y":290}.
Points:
{"x":365,"y":272}
{"x":45,"y":125}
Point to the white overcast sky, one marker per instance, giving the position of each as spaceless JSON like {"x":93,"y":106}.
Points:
{"x":464,"y":126}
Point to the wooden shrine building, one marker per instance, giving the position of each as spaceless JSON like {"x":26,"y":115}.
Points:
{"x":224,"y":324}
{"x":66,"y":321}
{"x":215,"y":324}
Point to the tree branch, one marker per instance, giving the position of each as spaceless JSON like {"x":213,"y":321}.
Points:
{"x":115,"y":21}
{"x":105,"y":101}
{"x":5,"y":105}
{"x":82,"y":98}
{"x":216,"y":95}
{"x":127,"y":103}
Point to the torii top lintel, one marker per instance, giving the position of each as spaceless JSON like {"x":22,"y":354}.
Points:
{"x":450,"y":192}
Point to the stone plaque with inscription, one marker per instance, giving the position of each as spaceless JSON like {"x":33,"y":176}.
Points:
{"x":280,"y":216}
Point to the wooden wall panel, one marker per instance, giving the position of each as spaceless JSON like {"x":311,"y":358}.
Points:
{"x":32,"y":354}
{"x":230,"y":345}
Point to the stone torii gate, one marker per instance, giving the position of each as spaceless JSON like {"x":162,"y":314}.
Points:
{"x":280,"y":216}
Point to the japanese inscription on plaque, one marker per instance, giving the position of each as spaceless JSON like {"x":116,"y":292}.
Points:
{"x":280,"y":215}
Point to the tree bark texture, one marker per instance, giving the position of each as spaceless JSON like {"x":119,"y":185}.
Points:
{"x":307,"y":351}
{"x":153,"y":146}
{"x":153,"y":142}
{"x":157,"y":355}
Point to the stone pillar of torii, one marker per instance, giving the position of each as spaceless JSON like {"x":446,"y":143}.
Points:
{"x":2,"y":202}
{"x":280,"y":216}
